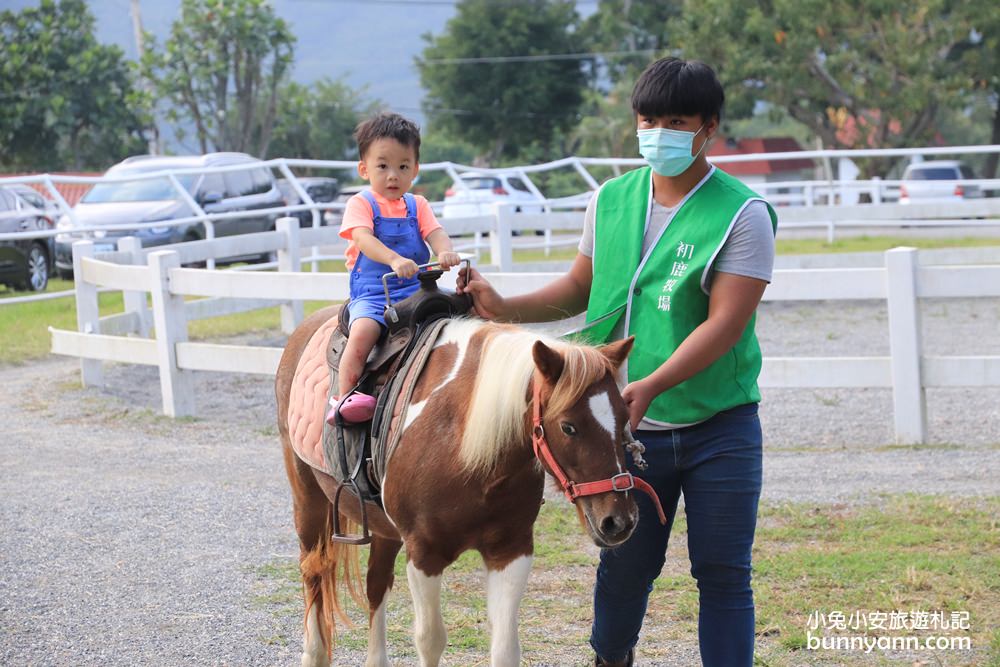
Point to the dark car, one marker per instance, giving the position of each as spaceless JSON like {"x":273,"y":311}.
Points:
{"x":24,"y":263}
{"x":155,"y":199}
{"x":320,"y":189}
{"x":36,"y":199}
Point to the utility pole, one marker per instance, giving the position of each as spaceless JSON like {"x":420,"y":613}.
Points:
{"x":154,"y":133}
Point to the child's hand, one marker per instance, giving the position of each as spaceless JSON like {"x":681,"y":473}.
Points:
{"x":403,"y":267}
{"x":449,"y":259}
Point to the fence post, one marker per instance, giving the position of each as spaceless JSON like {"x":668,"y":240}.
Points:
{"x":501,"y":253}
{"x":135,"y":301}
{"x":908,"y":396}
{"x":176,"y":385}
{"x":88,"y":313}
{"x":290,"y":260}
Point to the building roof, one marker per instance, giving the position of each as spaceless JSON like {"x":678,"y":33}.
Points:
{"x":71,"y":192}
{"x":751,"y":146}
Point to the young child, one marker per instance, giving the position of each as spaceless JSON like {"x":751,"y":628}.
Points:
{"x":388,"y":230}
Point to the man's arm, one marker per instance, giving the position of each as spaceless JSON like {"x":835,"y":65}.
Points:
{"x":562,"y":298}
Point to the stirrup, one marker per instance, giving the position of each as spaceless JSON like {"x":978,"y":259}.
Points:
{"x":365,"y":537}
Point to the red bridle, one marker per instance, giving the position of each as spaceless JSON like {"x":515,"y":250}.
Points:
{"x":621,"y":482}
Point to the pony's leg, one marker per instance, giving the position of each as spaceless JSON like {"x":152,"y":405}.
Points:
{"x":504,"y":590}
{"x":428,"y":625}
{"x":381,"y":560}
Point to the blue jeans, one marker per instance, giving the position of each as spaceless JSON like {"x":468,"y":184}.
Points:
{"x":717,"y":466}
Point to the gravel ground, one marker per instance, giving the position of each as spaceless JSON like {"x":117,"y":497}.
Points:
{"x":127,"y":538}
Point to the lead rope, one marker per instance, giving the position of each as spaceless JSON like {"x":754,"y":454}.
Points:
{"x":636,"y":449}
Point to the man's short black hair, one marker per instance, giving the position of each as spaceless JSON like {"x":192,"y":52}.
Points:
{"x":675,"y":87}
{"x":387,"y":125}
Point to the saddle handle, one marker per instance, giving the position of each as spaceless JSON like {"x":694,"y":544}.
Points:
{"x":389,"y":310}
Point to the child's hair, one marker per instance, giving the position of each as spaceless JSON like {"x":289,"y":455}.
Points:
{"x":675,"y":87}
{"x":387,"y":125}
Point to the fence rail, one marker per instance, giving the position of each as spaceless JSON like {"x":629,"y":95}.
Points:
{"x":805,"y":204}
{"x":901,"y":281}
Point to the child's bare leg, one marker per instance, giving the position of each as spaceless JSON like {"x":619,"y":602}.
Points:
{"x":364,"y":334}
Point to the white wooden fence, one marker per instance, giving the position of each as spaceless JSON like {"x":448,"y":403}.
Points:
{"x":124,"y":337}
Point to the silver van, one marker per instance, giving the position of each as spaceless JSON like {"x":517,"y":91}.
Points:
{"x":155,"y":199}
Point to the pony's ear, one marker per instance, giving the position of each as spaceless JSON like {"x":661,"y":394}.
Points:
{"x":618,"y":351}
{"x":548,"y":361}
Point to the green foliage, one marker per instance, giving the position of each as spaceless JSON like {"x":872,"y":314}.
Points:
{"x":436,"y":146}
{"x":65,"y":100}
{"x":608,"y":127}
{"x":317,"y":122}
{"x":857,"y":73}
{"x":629,"y":25}
{"x":221,"y":69}
{"x":500,"y":107}
{"x":979,"y":57}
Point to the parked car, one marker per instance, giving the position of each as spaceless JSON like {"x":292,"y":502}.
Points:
{"x":933,"y":181}
{"x":36,"y":199}
{"x":320,"y":189}
{"x":24,"y":263}
{"x":483,"y":190}
{"x":154,"y":200}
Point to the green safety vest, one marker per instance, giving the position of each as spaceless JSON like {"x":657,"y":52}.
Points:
{"x":662,"y":296}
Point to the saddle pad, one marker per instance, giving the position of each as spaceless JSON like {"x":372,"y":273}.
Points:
{"x":307,"y":403}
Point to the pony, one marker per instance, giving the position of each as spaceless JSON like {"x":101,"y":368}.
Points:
{"x":495,"y":407}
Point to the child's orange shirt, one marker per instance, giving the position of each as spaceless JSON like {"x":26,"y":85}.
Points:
{"x":358,"y":213}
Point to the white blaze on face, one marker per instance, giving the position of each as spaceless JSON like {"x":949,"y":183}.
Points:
{"x":604,"y":415}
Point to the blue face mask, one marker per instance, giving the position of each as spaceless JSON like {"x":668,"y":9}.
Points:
{"x":668,"y":152}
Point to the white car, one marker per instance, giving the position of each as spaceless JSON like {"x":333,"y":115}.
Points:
{"x":483,"y":190}
{"x":935,"y":181}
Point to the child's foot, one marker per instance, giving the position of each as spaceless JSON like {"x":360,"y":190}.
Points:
{"x":357,"y":409}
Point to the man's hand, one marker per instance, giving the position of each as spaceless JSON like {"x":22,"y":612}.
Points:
{"x":638,"y":395}
{"x":403,"y":267}
{"x":486,"y":301}
{"x":449,"y":259}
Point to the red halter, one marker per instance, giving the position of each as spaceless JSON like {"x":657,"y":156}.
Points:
{"x":621,"y":482}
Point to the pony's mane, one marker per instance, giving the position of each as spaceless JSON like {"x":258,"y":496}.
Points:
{"x":496,"y":416}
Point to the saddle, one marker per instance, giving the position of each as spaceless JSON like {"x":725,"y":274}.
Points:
{"x":357,"y":454}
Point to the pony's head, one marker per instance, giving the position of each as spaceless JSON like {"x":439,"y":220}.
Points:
{"x":586,"y":425}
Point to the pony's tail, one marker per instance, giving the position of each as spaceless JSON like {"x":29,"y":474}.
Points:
{"x":323,"y":567}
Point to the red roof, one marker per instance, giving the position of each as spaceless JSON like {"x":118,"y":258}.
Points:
{"x":759,"y":145}
{"x":71,"y":192}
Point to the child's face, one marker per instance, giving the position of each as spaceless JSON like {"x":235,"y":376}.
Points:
{"x":390,"y":167}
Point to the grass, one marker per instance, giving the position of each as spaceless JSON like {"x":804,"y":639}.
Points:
{"x":902,"y":553}
{"x":875,"y":244}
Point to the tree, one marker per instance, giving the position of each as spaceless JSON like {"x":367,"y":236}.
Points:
{"x":221,"y":68}
{"x":318,"y":122}
{"x":629,"y":25}
{"x":66,"y":101}
{"x":858,"y":73}
{"x":501,"y":105}
{"x":980,"y":58}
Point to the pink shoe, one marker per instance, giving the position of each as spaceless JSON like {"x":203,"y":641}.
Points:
{"x":357,"y":409}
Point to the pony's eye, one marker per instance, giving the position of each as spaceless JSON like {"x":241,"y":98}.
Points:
{"x":568,"y":428}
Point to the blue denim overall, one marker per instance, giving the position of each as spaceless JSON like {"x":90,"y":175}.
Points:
{"x":401,"y":235}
